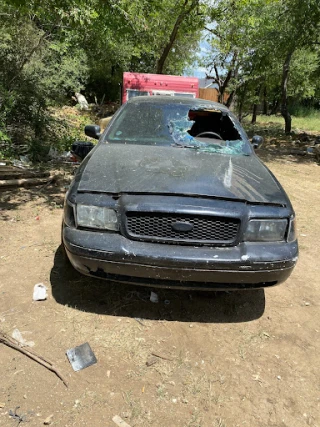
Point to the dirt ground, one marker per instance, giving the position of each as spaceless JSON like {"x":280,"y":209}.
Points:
{"x":226,"y":359}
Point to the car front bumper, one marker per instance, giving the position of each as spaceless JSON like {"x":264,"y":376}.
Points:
{"x":114,"y":257}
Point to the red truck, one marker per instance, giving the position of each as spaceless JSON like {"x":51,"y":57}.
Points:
{"x":138,"y":84}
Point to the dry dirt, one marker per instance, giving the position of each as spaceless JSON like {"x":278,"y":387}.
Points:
{"x":227,"y":359}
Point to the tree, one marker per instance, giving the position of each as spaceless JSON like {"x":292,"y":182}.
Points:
{"x":254,"y":44}
{"x":186,"y":11}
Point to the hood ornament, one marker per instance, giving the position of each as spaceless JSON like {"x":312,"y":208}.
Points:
{"x":182,"y":226}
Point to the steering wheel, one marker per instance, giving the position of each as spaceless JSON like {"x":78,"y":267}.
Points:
{"x":209,"y":133}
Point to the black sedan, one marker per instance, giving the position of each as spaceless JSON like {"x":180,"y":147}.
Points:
{"x":174,"y":196}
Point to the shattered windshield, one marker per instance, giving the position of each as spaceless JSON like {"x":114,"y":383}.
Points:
{"x":178,"y":125}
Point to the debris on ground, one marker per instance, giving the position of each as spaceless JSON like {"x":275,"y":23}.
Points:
{"x":139,"y":320}
{"x":6,"y":340}
{"x":64,"y":157}
{"x":161,"y":356}
{"x":126,"y":414}
{"x":16,"y":334}
{"x":81,"y":100}
{"x":299,"y":144}
{"x":81,"y":357}
{"x":151,"y":361}
{"x":20,"y":418}
{"x":48,"y":420}
{"x":39,"y":292}
{"x":154,"y":297}
{"x":23,"y":163}
{"x":12,"y":177}
{"x":119,"y":421}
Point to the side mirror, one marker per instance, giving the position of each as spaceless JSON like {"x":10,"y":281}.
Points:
{"x":256,"y":141}
{"x":80,"y":149}
{"x":93,"y":131}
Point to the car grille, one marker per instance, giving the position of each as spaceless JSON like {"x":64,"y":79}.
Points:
{"x":158,"y":227}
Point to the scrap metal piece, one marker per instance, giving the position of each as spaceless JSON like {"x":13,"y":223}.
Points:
{"x":81,"y":357}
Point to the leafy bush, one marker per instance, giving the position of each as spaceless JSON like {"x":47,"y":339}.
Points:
{"x":299,"y":110}
{"x":35,"y":72}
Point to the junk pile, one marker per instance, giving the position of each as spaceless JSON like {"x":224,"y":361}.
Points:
{"x":17,"y":176}
{"x":301,"y":144}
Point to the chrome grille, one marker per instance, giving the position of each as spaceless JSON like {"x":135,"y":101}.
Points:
{"x":206,"y":229}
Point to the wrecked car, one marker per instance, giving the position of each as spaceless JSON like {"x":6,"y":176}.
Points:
{"x":173,"y":195}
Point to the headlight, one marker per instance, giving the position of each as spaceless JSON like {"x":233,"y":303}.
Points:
{"x":97,"y":217}
{"x":266,"y":230}
{"x":292,"y":233}
{"x":68,"y":213}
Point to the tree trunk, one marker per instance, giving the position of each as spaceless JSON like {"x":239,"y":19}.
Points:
{"x":232,"y":73}
{"x":254,"y":114}
{"x":255,"y":105}
{"x":242,"y":97}
{"x":183,"y":14}
{"x":284,"y":93}
{"x":275,"y":106}
{"x":224,"y":86}
{"x":230,"y":99}
{"x":265,"y":101}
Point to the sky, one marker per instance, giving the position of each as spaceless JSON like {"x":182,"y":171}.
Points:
{"x":197,"y":70}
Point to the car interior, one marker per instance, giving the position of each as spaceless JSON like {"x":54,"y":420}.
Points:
{"x":208,"y":124}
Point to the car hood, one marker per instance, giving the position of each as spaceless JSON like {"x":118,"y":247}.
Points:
{"x":118,"y":168}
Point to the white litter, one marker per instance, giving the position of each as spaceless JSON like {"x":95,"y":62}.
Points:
{"x":154,"y":297}
{"x":40,"y":292}
{"x":16,"y":334}
{"x":119,"y":421}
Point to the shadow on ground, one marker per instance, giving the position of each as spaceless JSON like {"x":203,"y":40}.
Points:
{"x":11,"y":200}
{"x":115,"y":299}
{"x":50,"y":194}
{"x":283,"y":155}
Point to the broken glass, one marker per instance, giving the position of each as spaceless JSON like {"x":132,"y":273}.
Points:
{"x":201,"y":127}
{"x":179,"y":130}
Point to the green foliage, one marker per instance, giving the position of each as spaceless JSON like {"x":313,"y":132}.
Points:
{"x":49,"y":50}
{"x":250,"y":41}
{"x":303,"y":111}
{"x":36,"y":71}
{"x":309,"y":122}
{"x":66,"y":128}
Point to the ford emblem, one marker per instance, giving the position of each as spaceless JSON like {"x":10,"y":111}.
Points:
{"x":182,"y":226}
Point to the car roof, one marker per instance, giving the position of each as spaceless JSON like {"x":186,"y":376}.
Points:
{"x":193,"y":102}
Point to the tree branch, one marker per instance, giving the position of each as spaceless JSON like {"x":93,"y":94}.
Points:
{"x":174,"y":32}
{"x":10,"y":342}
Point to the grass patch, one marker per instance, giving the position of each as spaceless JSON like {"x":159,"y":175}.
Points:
{"x":310,"y":122}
